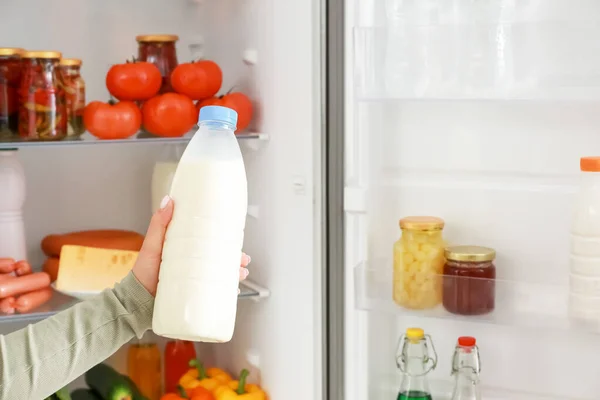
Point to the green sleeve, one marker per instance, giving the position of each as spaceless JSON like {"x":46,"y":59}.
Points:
{"x":38,"y":360}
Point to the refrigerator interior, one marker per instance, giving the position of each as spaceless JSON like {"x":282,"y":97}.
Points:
{"x":270,"y":51}
{"x":476,"y":112}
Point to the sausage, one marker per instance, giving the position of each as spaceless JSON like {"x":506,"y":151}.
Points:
{"x":7,"y":265}
{"x":22,"y":284}
{"x":23,"y":268}
{"x":7,"y":305}
{"x":28,"y":301}
{"x":4,"y":277}
{"x":51,"y":267}
{"x":106,"y":239}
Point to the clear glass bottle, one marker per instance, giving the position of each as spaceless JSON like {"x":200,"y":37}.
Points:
{"x":466,"y":367}
{"x":144,"y":366}
{"x":419,"y":263}
{"x":415,"y":362}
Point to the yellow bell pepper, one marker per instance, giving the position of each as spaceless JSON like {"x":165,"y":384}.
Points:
{"x":209,"y":379}
{"x":240,"y":390}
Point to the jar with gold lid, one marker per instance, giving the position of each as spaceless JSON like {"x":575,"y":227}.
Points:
{"x":10,"y":79}
{"x":419,"y":263}
{"x":159,"y":50}
{"x":74,"y":87}
{"x":42,"y":111}
{"x":469,"y":280}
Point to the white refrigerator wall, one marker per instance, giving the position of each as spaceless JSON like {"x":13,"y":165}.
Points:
{"x":502,"y":173}
{"x":108,"y":186}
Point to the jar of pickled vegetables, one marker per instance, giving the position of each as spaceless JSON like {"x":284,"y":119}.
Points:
{"x":419,"y":263}
{"x":74,"y":87}
{"x":159,"y":50}
{"x":10,"y":79}
{"x":42,"y":110}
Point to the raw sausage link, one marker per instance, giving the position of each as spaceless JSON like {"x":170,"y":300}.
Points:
{"x":4,"y":277}
{"x":23,"y":268}
{"x":7,"y":265}
{"x":28,"y":301}
{"x":51,"y":267}
{"x":22,"y":284}
{"x":7,"y":305}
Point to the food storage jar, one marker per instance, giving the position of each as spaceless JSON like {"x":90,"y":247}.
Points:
{"x":469,"y":280}
{"x":10,"y":79}
{"x":159,"y":50}
{"x":419,"y":262}
{"x":74,"y":87}
{"x":42,"y":110}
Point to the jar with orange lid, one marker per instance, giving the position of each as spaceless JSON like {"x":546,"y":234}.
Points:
{"x":74,"y":87}
{"x":10,"y":79}
{"x":419,"y":263}
{"x":42,"y":110}
{"x":159,"y":50}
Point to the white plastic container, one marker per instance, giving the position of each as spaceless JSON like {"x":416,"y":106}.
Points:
{"x":196,"y":298}
{"x":12,"y":187}
{"x":585,"y":242}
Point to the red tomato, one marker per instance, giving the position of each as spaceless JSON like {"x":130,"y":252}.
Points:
{"x":197,"y":80}
{"x":169,"y":115}
{"x":236,"y":101}
{"x":107,"y":121}
{"x":133,"y":80}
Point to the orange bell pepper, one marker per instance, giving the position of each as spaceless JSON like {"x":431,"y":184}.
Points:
{"x":198,"y":393}
{"x":240,"y":390}
{"x":209,"y":379}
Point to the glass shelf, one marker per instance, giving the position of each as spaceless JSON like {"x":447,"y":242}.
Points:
{"x":386,"y":387}
{"x":523,"y":304}
{"x":59,"y":302}
{"x":140,"y":138}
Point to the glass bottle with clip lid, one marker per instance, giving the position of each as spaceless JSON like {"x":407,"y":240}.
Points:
{"x":466,"y":367}
{"x":415,"y":362}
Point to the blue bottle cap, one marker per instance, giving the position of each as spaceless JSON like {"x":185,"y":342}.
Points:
{"x":218,"y":113}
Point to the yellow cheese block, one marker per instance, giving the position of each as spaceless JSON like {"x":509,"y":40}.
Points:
{"x":91,"y":269}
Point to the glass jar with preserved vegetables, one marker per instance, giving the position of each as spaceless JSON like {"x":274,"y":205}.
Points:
{"x":74,"y":87}
{"x":42,"y":111}
{"x":419,"y":263}
{"x":159,"y":50}
{"x":10,"y":79}
{"x":469,"y":280}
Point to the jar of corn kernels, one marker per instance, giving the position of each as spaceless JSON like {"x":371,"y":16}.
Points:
{"x":419,"y":263}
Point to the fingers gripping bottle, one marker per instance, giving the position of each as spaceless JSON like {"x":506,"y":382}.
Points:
{"x":196,"y":297}
{"x":415,"y":362}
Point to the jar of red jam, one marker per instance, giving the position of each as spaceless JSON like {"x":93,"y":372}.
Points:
{"x":42,"y":110}
{"x":469,"y":284}
{"x":74,"y":87}
{"x":10,"y":79}
{"x":159,"y":50}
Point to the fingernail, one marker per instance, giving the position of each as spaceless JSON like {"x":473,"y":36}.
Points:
{"x":249,"y":258}
{"x":239,"y":291}
{"x":164,"y":201}
{"x":245,"y":273}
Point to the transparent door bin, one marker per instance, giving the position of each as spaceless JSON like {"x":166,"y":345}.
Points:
{"x":478,"y":61}
{"x":514,"y":303}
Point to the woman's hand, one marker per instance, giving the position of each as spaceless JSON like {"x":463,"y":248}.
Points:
{"x":148,"y":262}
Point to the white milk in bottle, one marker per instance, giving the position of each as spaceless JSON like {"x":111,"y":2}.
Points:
{"x":196,"y":298}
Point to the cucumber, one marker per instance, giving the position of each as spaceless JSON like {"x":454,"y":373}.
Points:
{"x":61,"y":394}
{"x":137,"y":395}
{"x":84,"y":394}
{"x":108,"y":383}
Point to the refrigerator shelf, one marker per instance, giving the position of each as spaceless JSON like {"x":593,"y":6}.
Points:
{"x":386,"y":387}
{"x":519,"y":304}
{"x":418,"y":59}
{"x":60,"y":302}
{"x":140,"y":138}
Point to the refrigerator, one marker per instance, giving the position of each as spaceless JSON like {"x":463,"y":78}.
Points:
{"x":365,"y":112}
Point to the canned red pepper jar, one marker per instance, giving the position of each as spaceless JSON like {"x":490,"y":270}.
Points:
{"x":74,"y":87}
{"x":159,"y":50}
{"x":42,"y":110}
{"x":469,"y":286}
{"x":10,"y":79}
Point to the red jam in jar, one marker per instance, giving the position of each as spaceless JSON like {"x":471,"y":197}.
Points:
{"x":10,"y":79}
{"x":469,"y":284}
{"x":159,"y":50}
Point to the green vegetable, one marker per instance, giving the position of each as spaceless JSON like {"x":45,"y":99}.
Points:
{"x":61,"y":394}
{"x":85,"y":394}
{"x":137,"y":395}
{"x":109,"y":384}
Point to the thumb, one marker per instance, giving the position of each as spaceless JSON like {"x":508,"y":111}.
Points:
{"x":155,"y":236}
